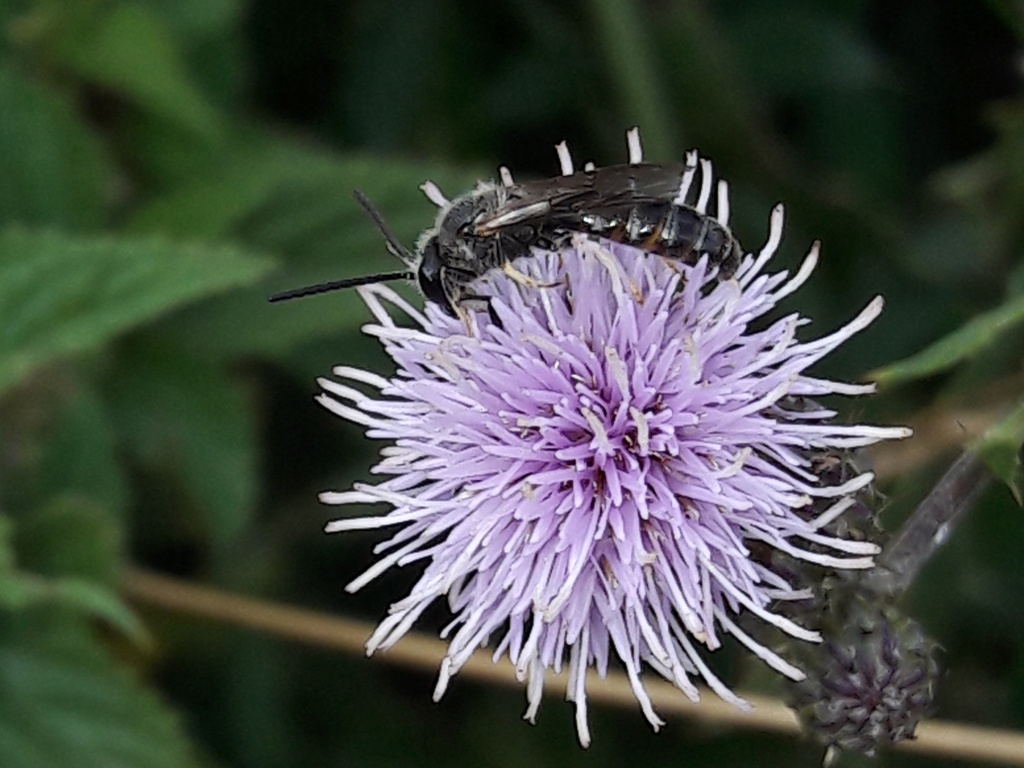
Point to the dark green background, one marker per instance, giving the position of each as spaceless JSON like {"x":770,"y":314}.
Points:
{"x":164,"y":166}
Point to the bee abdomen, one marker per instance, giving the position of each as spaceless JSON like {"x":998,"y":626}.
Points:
{"x":673,"y":231}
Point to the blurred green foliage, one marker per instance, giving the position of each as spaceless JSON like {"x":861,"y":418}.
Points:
{"x":165,"y":166}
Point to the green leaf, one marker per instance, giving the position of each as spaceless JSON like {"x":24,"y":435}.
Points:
{"x":1001,"y":446}
{"x":1009,"y":14}
{"x":212,"y":205}
{"x":195,"y":21}
{"x":60,"y":295}
{"x":974,"y":336}
{"x":52,"y":170}
{"x":80,"y":456}
{"x":263,"y":176}
{"x":20,"y":590}
{"x":185,"y":420}
{"x":130,"y":51}
{"x":70,"y":536}
{"x":296,"y":203}
{"x":211,"y":37}
{"x":66,"y":703}
{"x":66,"y":554}
{"x":6,"y":543}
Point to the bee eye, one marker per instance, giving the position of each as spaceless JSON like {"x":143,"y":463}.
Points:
{"x":429,"y":274}
{"x":430,"y":263}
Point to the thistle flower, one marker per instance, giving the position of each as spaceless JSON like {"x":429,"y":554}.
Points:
{"x":584,"y":463}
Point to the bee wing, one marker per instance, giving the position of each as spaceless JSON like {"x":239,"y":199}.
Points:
{"x":561,"y":201}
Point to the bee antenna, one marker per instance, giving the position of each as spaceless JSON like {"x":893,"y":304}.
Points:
{"x":337,"y":285}
{"x":395,"y":247}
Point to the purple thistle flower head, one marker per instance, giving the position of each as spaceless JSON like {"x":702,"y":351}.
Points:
{"x":584,"y":462}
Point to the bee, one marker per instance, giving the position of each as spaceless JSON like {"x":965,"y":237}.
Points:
{"x":641,"y":204}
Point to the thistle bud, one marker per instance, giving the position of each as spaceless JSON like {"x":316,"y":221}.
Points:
{"x":870,"y":682}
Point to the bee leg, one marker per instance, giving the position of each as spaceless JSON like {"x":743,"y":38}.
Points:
{"x":525,"y":280}
{"x":485,"y":301}
{"x":465,"y":317}
{"x":679,"y":255}
{"x":653,"y":241}
{"x":477,"y":302}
